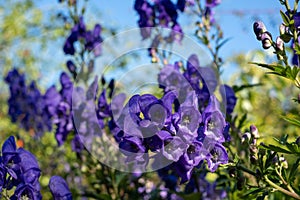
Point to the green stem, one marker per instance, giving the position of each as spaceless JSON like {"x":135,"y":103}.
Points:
{"x":241,"y":167}
{"x":291,"y":194}
{"x":287,"y":5}
{"x":284,"y":182}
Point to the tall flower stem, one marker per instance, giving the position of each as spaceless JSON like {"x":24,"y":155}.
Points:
{"x":291,"y":194}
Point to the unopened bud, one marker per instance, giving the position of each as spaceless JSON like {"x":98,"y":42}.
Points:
{"x":283,"y":162}
{"x":246,"y":137}
{"x":279,"y":44}
{"x":259,"y":28}
{"x":254,"y":131}
{"x":282,"y":29}
{"x":266,"y":39}
{"x":253,"y":159}
{"x":298,"y":141}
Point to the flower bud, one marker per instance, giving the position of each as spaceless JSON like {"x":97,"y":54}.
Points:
{"x":253,"y":159}
{"x":298,"y":141}
{"x":254,"y":131}
{"x":282,"y":29}
{"x":266,"y":39}
{"x":246,"y":137}
{"x":71,"y":67}
{"x":259,"y":28}
{"x":283,"y":162}
{"x":279,"y":44}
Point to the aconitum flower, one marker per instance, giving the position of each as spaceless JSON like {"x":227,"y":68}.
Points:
{"x":228,"y":95}
{"x":19,"y":168}
{"x":266,"y":40}
{"x":297,"y":20}
{"x":212,"y":3}
{"x":59,"y":188}
{"x":27,"y":104}
{"x":91,"y":39}
{"x":185,"y":125}
{"x":259,"y":28}
{"x":147,"y":17}
{"x":218,"y":155}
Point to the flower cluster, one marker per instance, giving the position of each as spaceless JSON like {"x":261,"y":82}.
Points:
{"x":288,"y":32}
{"x":91,"y":40}
{"x":162,"y":13}
{"x":209,"y":13}
{"x":27,"y":105}
{"x":185,"y":126}
{"x":19,"y":170}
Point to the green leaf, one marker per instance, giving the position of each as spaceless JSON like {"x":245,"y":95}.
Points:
{"x":276,"y":149}
{"x":292,"y":120}
{"x":285,"y":18}
{"x":222,"y":43}
{"x":293,"y":170}
{"x":293,"y":147}
{"x":192,"y":196}
{"x":242,"y":87}
{"x":253,"y":191}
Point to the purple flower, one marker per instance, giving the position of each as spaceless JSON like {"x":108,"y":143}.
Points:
{"x":59,"y":188}
{"x":27,"y":191}
{"x":166,"y":12}
{"x":228,"y":95}
{"x":266,"y":40}
{"x":131,"y":145}
{"x":177,"y":33}
{"x":147,"y":17}
{"x":297,"y":20}
{"x":91,"y":39}
{"x":217,"y":155}
{"x":8,"y":150}
{"x":51,"y":99}
{"x":214,"y":121}
{"x":212,"y":3}
{"x":259,"y":28}
{"x":26,"y":104}
{"x":174,"y":148}
{"x":72,"y":68}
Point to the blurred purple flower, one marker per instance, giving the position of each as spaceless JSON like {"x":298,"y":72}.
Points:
{"x":59,"y":188}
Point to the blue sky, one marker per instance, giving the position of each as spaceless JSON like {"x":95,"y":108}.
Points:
{"x":238,"y":27}
{"x":236,"y":19}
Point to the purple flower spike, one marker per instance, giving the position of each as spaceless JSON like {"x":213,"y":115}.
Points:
{"x":59,"y":188}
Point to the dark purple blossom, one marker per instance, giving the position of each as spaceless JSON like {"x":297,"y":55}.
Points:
{"x":212,"y":3}
{"x":229,"y":98}
{"x":59,"y":188}
{"x":91,"y":39}
{"x":27,"y":105}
